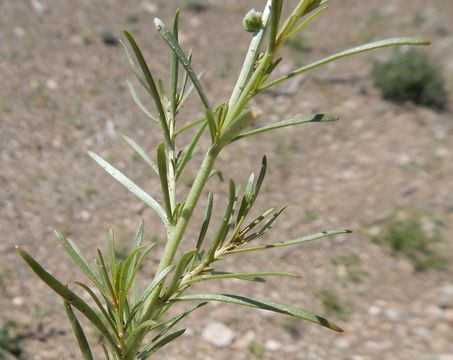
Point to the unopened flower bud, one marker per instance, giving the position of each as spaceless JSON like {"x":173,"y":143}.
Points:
{"x":253,"y":21}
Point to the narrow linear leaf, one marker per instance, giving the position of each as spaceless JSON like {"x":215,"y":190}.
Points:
{"x":142,"y":153}
{"x":266,"y":226}
{"x":75,"y":253}
{"x":257,"y":276}
{"x":190,"y":152}
{"x":174,"y":68}
{"x":80,"y":335}
{"x":174,"y":46}
{"x":305,"y":22}
{"x":156,"y":282}
{"x":152,"y":348}
{"x":103,"y":273}
{"x":131,"y":186}
{"x":182,"y":265}
{"x":174,"y":320}
{"x":151,"y":86}
{"x":107,"y":316}
{"x":345,"y":53}
{"x":66,"y":294}
{"x":206,"y":221}
{"x":162,"y":167}
{"x":293,"y":242}
{"x":189,"y":91}
{"x":139,"y":103}
{"x":222,"y":231}
{"x":138,"y":263}
{"x":264,"y":305}
{"x":111,"y":251}
{"x":290,"y":122}
{"x":191,"y":125}
{"x":246,"y":198}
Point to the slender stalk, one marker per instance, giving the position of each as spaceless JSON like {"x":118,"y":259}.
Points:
{"x":250,"y":58}
{"x":176,"y":237}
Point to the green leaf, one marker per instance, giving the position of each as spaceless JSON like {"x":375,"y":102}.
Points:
{"x":80,"y":335}
{"x":257,"y":276}
{"x":255,"y":222}
{"x":137,"y":266}
{"x":222,"y":231}
{"x":105,"y":276}
{"x":292,"y":242}
{"x":246,"y":199}
{"x":75,"y":253}
{"x":131,"y":186}
{"x":162,"y":166}
{"x":139,"y":104}
{"x":185,"y":96}
{"x":182,"y":265}
{"x":111,"y":251}
{"x":174,"y":68}
{"x":151,"y":86}
{"x":290,"y":122}
{"x":174,"y":320}
{"x":66,"y":294}
{"x":156,"y":282}
{"x":190,"y":152}
{"x":305,"y":22}
{"x":206,"y":220}
{"x":109,"y":318}
{"x":152,"y":348}
{"x":263,"y":305}
{"x":142,"y":153}
{"x":345,"y":53}
{"x":174,"y":46}
{"x":266,"y":226}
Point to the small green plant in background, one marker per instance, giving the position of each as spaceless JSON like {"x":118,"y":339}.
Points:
{"x":11,"y":340}
{"x":404,"y":233}
{"x":332,"y":304}
{"x":411,"y":76}
{"x":353,"y":267}
{"x":134,"y":322}
{"x":256,"y":349}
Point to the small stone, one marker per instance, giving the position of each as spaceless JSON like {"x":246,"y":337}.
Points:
{"x":272,"y":345}
{"x":37,"y":6}
{"x":393,"y":314}
{"x":218,"y":334}
{"x":85,"y":215}
{"x":342,"y":343}
{"x":149,"y":7}
{"x":51,"y":84}
{"x":374,"y":310}
{"x":19,"y":32}
{"x":18,"y":301}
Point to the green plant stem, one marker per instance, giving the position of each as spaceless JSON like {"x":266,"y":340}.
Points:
{"x":175,"y":239}
{"x":251,"y":57}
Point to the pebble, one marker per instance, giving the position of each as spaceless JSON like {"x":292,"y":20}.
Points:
{"x":18,"y":301}
{"x":37,"y":6}
{"x":218,"y":334}
{"x":342,"y":343}
{"x":393,"y":314}
{"x":149,"y":7}
{"x":272,"y":345}
{"x":446,"y":293}
{"x":374,"y":310}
